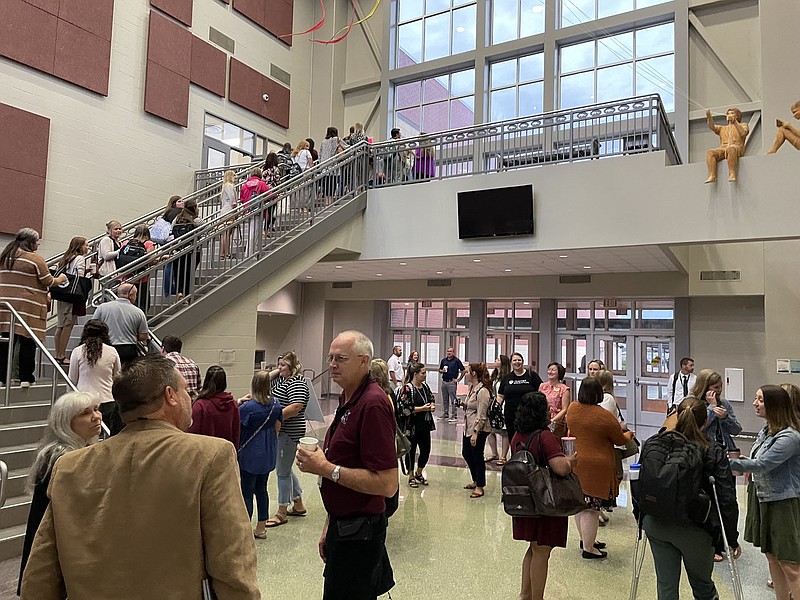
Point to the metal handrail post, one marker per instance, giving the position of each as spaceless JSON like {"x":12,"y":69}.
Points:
{"x":9,"y":358}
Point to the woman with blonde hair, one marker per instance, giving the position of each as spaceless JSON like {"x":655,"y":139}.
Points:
{"x":228,"y":203}
{"x":72,"y":263}
{"x":721,"y":424}
{"x":108,"y":248}
{"x":773,"y":493}
{"x":74,"y":422}
{"x":301,"y":155}
{"x":290,"y":389}
{"x":261,"y":417}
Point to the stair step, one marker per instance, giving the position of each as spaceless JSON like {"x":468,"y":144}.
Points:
{"x":16,"y":482}
{"x":20,"y":456}
{"x":15,"y":511}
{"x":21,"y":433}
{"x":20,"y":413}
{"x":11,"y":540}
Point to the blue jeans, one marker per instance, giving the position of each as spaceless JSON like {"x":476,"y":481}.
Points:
{"x":288,"y":484}
{"x":449,"y":398}
{"x":253,"y":484}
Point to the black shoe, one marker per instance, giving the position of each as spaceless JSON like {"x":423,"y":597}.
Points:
{"x":589,"y":555}
{"x":597,"y":545}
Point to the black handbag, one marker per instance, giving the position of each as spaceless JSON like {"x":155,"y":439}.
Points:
{"x":75,"y":290}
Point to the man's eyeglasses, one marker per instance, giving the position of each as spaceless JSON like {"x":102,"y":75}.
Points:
{"x":339,"y":358}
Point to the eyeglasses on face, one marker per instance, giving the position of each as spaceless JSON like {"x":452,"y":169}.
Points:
{"x":339,"y":358}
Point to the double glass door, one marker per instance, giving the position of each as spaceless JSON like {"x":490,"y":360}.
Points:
{"x":432,"y":346}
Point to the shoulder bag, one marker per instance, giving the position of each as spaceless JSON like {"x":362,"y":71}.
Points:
{"x":632,"y":445}
{"x":260,"y":427}
{"x":75,"y":290}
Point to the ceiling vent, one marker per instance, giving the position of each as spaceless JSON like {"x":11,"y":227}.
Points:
{"x":440,"y":282}
{"x":574,"y":279}
{"x":720,"y":275}
{"x":342,"y":285}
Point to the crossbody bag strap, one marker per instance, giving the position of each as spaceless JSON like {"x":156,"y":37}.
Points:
{"x":260,"y":427}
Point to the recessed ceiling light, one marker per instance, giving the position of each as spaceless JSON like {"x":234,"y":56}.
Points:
{"x":439,"y":272}
{"x":378,"y":274}
{"x":562,"y":256}
{"x":507,"y":270}
{"x":587,"y":267}
{"x":308,"y":276}
{"x":338,"y":266}
{"x":476,"y":260}
{"x":403,"y":264}
{"x":460,"y":29}
{"x":526,"y":302}
{"x":408,"y":303}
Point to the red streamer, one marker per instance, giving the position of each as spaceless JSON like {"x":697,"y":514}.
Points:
{"x":312,"y":29}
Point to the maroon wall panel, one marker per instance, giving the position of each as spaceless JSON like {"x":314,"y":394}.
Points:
{"x":23,"y":168}
{"x":246,"y":88}
{"x":166,"y":94}
{"x":82,"y":58}
{"x":50,"y":6}
{"x":209,"y":66}
{"x":273,"y":15}
{"x":28,"y":34}
{"x":180,"y":9}
{"x":94,"y":16}
{"x":169,"y":45}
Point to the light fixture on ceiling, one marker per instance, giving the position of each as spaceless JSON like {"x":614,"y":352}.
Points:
{"x":338,"y":266}
{"x":378,"y":274}
{"x":403,"y":264}
{"x":507,"y":270}
{"x":308,"y":276}
{"x":562,"y":256}
{"x":526,"y":303}
{"x":476,"y":260}
{"x":439,"y":272}
{"x":408,"y":303}
{"x":587,"y":267}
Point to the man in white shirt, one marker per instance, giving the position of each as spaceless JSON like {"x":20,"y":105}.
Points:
{"x":396,"y":371}
{"x":680,"y":383}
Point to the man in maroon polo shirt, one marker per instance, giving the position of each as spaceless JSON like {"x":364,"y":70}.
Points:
{"x":357,"y":466}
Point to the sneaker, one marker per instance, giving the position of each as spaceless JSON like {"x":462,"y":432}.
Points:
{"x":442,"y":417}
{"x":24,"y":384}
{"x":452,"y":420}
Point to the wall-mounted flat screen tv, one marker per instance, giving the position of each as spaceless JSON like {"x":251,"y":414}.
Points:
{"x":495,"y":213}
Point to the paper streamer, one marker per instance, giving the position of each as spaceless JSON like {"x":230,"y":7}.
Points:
{"x":312,"y":29}
{"x":371,"y":13}
{"x":346,"y":30}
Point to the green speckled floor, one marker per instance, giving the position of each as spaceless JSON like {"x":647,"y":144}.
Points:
{"x":445,"y":546}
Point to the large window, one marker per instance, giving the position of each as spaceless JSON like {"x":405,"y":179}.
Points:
{"x":435,"y":104}
{"x":514,"y":19}
{"x":516,"y":87}
{"x":619,"y":66}
{"x":580,"y":11}
{"x":431,"y":29}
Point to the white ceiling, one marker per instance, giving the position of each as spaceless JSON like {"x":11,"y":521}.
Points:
{"x":640,"y":259}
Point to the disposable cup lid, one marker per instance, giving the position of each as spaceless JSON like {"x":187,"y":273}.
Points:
{"x":636,"y":466}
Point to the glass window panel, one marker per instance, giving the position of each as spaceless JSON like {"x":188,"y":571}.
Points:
{"x":615,"y":48}
{"x":577,"y":57}
{"x":655,"y":319}
{"x":462,"y":112}
{"x":409,"y":121}
{"x":531,"y":67}
{"x":531,"y":19}
{"x":606,"y":8}
{"x":432,"y":6}
{"x":619,"y":318}
{"x":503,"y":104}
{"x":655,"y":40}
{"x":615,"y":83}
{"x":437,"y":36}
{"x":643,"y":3}
{"x":457,"y":315}
{"x":408,"y":94}
{"x":656,"y":76}
{"x":504,"y":20}
{"x":216,"y":159}
{"x":430,"y":314}
{"x":503,"y":73}
{"x":577,"y":90}
{"x":434,"y":117}
{"x":410,"y":9}
{"x":409,"y":44}
{"x":435,"y":89}
{"x":531,"y":99}
{"x":576,"y":11}
{"x":461,"y":2}
{"x":462,"y":83}
{"x":464,"y":29}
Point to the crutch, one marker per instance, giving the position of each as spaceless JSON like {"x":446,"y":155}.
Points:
{"x":736,"y":582}
{"x":639,"y":550}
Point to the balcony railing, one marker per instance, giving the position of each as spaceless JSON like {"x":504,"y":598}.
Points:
{"x":630,"y":126}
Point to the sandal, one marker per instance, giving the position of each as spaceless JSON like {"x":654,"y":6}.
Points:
{"x":491,"y":458}
{"x":276,"y":520}
{"x":260,"y":535}
{"x":501,"y":461}
{"x":476,"y":495}
{"x":470,"y":486}
{"x":296,"y":513}
{"x":421,"y":478}
{"x":413,"y":483}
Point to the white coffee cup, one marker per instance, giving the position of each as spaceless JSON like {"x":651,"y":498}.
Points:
{"x":309,"y":443}
{"x":263,"y":365}
{"x":634,"y":471}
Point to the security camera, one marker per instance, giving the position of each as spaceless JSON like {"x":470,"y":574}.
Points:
{"x":265,"y":97}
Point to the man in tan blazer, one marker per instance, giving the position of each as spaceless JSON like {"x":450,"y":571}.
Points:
{"x":149,"y":513}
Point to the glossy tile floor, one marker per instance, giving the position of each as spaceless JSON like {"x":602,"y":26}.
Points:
{"x":445,"y":546}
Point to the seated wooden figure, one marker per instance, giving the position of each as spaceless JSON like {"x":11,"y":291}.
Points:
{"x":732,"y":137}
{"x":787,"y":132}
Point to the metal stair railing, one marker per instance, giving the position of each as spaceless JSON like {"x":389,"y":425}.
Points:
{"x":44,"y":356}
{"x":628,"y":126}
{"x":190,"y":266}
{"x":205,"y":177}
{"x":208,"y":200}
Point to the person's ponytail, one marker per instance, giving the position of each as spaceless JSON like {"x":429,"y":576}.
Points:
{"x":691,"y":417}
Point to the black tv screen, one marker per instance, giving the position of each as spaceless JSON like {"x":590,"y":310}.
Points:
{"x":494,"y":213}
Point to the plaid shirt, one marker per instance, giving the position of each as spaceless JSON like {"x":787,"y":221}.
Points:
{"x":189,"y":369}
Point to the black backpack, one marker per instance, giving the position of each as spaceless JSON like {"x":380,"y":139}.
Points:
{"x":130,"y":252}
{"x":670,"y":484}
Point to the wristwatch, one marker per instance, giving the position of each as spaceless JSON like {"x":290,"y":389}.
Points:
{"x":335,"y":474}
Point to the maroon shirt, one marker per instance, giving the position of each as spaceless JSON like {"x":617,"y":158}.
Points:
{"x":363,"y":439}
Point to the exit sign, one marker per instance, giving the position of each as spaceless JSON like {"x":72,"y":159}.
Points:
{"x":609,"y":303}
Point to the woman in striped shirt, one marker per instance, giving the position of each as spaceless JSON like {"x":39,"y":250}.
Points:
{"x":24,"y":280}
{"x":291,"y":390}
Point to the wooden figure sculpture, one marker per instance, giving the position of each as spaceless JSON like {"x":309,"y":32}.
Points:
{"x":731,"y":146}
{"x":787,"y":132}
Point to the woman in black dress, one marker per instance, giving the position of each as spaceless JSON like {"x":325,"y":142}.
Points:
{"x":74,"y":422}
{"x":416,"y":405}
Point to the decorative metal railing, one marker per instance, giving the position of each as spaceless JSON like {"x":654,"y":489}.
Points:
{"x":630,"y":126}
